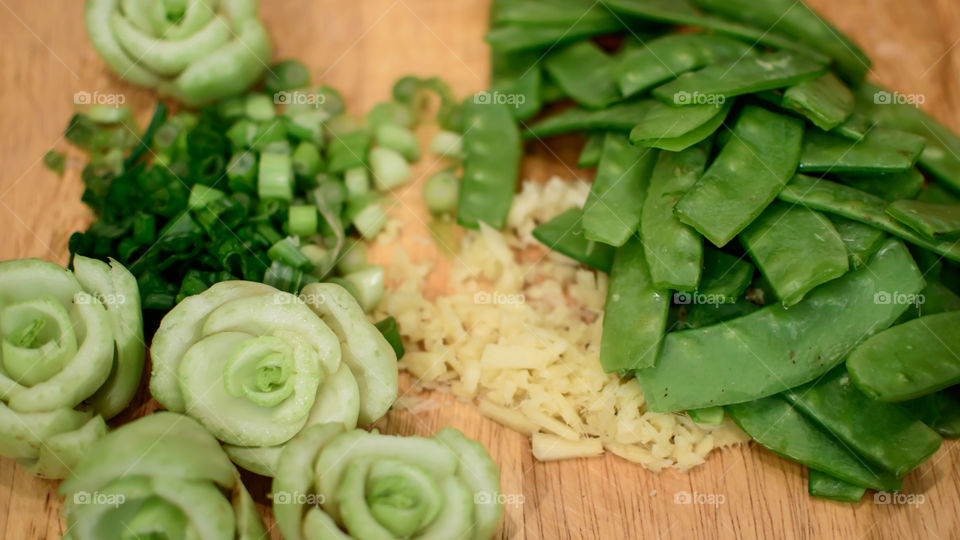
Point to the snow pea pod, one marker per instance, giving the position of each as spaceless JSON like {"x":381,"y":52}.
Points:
{"x":775,"y":349}
{"x":856,"y":127}
{"x":674,"y":250}
{"x":882,"y":150}
{"x":933,"y":220}
{"x":711,"y":415}
{"x":564,"y":234}
{"x":612,"y":211}
{"x":678,"y":128}
{"x":635,"y":314}
{"x":590,"y":155}
{"x":795,"y":20}
{"x":491,"y":145}
{"x":937,"y":194}
{"x":621,"y":118}
{"x":665,"y":58}
{"x":725,"y":277}
{"x":749,"y":75}
{"x":823,"y":486}
{"x":883,"y":433}
{"x":777,"y":425}
{"x":859,"y":206}
{"x":745,"y":177}
{"x":826,"y":101}
{"x":518,"y":74}
{"x":940,"y":411}
{"x":890,"y":187}
{"x":908,"y":361}
{"x":585,"y":73}
{"x":937,"y":298}
{"x":515,"y":37}
{"x":861,"y":241}
{"x":548,"y":13}
{"x":689,"y":316}
{"x":781,"y":233}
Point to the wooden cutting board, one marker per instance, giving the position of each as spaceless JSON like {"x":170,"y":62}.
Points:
{"x":361,"y":47}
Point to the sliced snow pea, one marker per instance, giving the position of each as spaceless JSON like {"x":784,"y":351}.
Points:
{"x":780,"y":427}
{"x":933,"y":220}
{"x":826,"y":101}
{"x":775,"y":349}
{"x":564,"y":234}
{"x":795,"y":20}
{"x":585,"y":73}
{"x":910,"y":360}
{"x":666,"y":58}
{"x":724,"y":276}
{"x":621,"y":117}
{"x":689,"y":316}
{"x":940,"y":411}
{"x":518,"y":74}
{"x":590,"y":155}
{"x":861,"y":241}
{"x":780,"y":234}
{"x":548,"y":13}
{"x":515,"y":37}
{"x":683,"y":12}
{"x":882,"y":150}
{"x":674,"y":250}
{"x":612,"y":211}
{"x":824,"y":486}
{"x":635,"y":315}
{"x":748,"y":75}
{"x":883,"y":433}
{"x":859,"y":206}
{"x":491,"y":145}
{"x":678,"y":128}
{"x":941,"y":155}
{"x":711,"y":415}
{"x":745,"y":177}
{"x":890,"y":187}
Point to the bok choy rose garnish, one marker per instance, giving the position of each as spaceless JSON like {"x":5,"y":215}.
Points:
{"x":256,"y":365}
{"x":71,"y":357}
{"x":196,"y":51}
{"x":161,"y":476}
{"x":382,"y":487}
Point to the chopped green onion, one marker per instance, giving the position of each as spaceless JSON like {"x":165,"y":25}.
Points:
{"x":307,"y":126}
{"x":306,"y":160}
{"x":441,"y":192}
{"x":260,"y":108}
{"x":108,"y":114}
{"x":332,"y":193}
{"x":287,"y":251}
{"x":390,"y":170}
{"x":447,"y":144}
{"x":357,"y":181}
{"x":234,"y":107}
{"x":369,"y":286}
{"x":242,"y":134}
{"x":400,"y":140}
{"x":370,"y":220}
{"x":275,"y":177}
{"x":242,"y":172}
{"x":286,"y":75}
{"x":277,"y":147}
{"x":202,"y":195}
{"x":283,"y":277}
{"x":347,"y":151}
{"x":320,"y":258}
{"x":302,"y":220}
{"x":342,"y":124}
{"x":144,"y":228}
{"x":330,"y":101}
{"x":353,"y":258}
{"x":389,"y":113}
{"x":55,"y":161}
{"x":81,"y":131}
{"x":273,"y":131}
{"x":388,"y":327}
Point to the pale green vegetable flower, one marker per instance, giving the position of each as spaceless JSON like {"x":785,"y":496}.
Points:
{"x":256,"y":365}
{"x":196,"y":51}
{"x":71,"y":357}
{"x":161,"y":476}
{"x":336,"y":484}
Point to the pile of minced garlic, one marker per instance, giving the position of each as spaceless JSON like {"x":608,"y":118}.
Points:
{"x":520,"y":336}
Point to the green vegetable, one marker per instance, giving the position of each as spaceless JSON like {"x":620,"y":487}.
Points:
{"x":348,"y":151}
{"x":564,"y":234}
{"x":72,"y":348}
{"x":678,"y":128}
{"x":160,"y":476}
{"x":440,"y":192}
{"x":933,"y":220}
{"x":399,"y":139}
{"x":381,"y":486}
{"x":910,"y":360}
{"x":585,"y":73}
{"x":635,"y":313}
{"x":275,"y":176}
{"x":55,"y":161}
{"x":518,"y":74}
{"x":612,"y":211}
{"x":491,"y":144}
{"x":861,"y":241}
{"x":745,"y":177}
{"x":513,"y":38}
{"x":880,"y":151}
{"x":388,"y":327}
{"x":390,"y":170}
{"x":725,"y":277}
{"x":447,"y":144}
{"x":193,"y":52}
{"x":782,"y":232}
{"x":256,"y":366}
{"x":711,"y":415}
{"x":286,"y":75}
{"x":824,"y":486}
{"x":889,"y":187}
{"x":940,"y":411}
{"x":622,"y":117}
{"x":592,"y":150}
{"x":826,"y":101}
{"x":775,"y":349}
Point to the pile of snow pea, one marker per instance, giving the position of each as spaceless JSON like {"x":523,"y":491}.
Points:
{"x":782,"y":237}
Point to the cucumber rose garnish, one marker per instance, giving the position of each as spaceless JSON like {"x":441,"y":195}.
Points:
{"x":196,"y":51}
{"x":338,"y":484}
{"x":162,"y":476}
{"x":256,"y":365}
{"x":71,"y":357}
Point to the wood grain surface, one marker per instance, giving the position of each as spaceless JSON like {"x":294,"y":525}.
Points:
{"x":361,"y":47}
